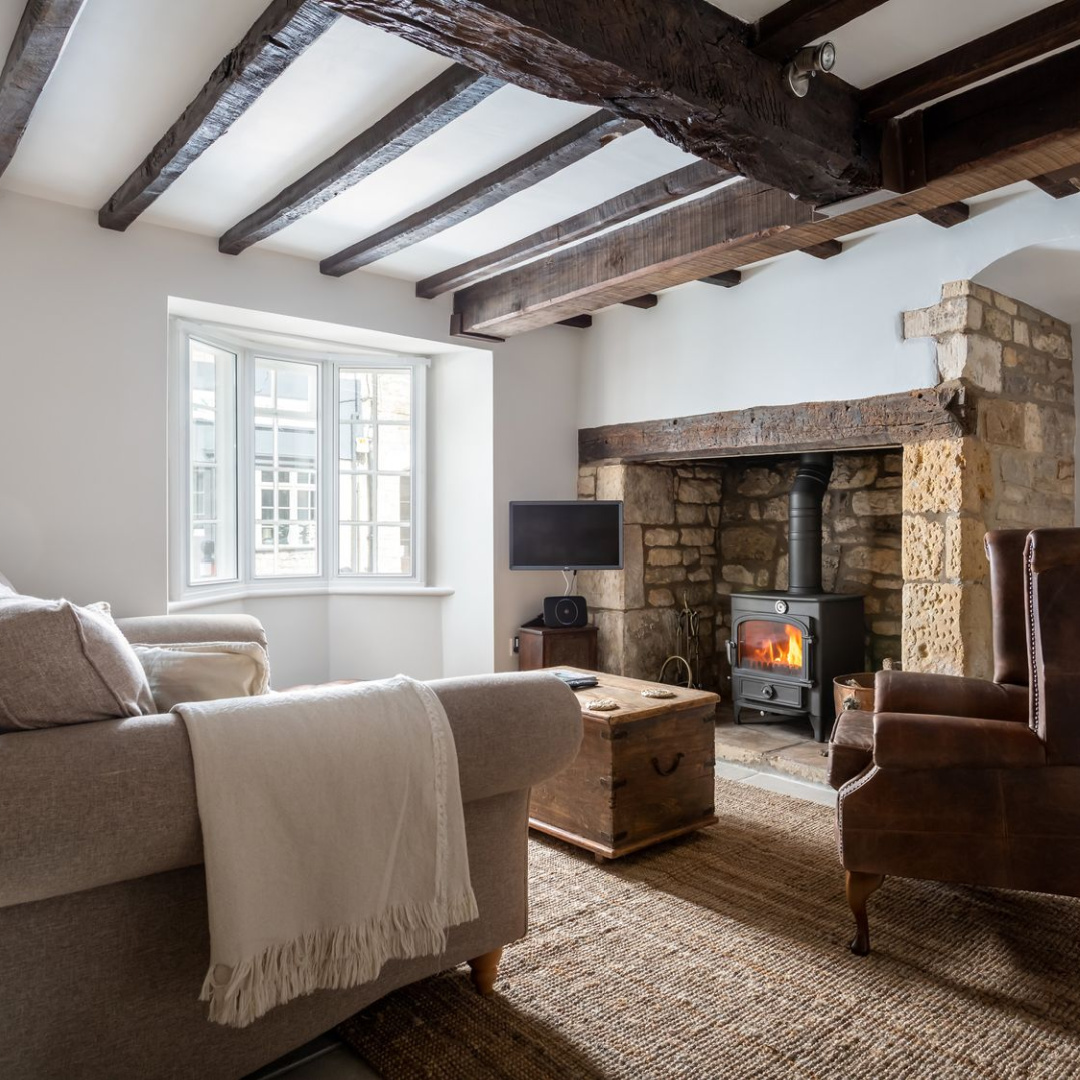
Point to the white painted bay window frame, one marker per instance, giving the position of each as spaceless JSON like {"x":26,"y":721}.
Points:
{"x":329,"y":359}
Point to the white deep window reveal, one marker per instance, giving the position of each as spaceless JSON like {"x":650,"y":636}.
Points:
{"x":292,"y":469}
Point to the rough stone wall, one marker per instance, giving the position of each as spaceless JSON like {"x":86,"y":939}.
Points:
{"x":670,"y":519}
{"x":1015,"y":471}
{"x":861,"y":539}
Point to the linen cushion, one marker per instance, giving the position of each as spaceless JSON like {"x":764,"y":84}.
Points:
{"x":62,"y":664}
{"x":204,"y":671}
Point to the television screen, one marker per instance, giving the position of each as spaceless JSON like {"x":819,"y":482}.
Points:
{"x":566,"y":536}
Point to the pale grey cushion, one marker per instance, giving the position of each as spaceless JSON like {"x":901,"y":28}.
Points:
{"x":62,"y":664}
{"x":204,"y":671}
{"x":6,"y":588}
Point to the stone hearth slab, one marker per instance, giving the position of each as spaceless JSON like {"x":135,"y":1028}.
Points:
{"x":786,"y":748}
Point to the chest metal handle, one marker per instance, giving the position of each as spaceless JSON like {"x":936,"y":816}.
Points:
{"x":666,"y":772}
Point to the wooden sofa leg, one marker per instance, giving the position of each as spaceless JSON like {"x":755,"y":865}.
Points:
{"x":859,"y":887}
{"x":485,"y":970}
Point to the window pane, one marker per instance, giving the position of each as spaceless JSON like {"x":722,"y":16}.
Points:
{"x":287,"y":467}
{"x":395,"y":395}
{"x":354,"y":549}
{"x":355,"y":395}
{"x":211,"y":469}
{"x":395,"y":448}
{"x":393,"y":498}
{"x":355,"y":495}
{"x":394,"y":555}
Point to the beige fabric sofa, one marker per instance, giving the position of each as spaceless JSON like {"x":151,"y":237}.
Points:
{"x":103,"y":925}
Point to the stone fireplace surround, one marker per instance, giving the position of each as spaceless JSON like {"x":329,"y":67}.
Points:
{"x":918,"y":480}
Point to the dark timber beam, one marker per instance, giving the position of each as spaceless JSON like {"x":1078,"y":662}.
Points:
{"x":429,"y":110}
{"x":989,"y":55}
{"x":1060,"y":183}
{"x":726,"y":280}
{"x":457,"y":330}
{"x":948,"y":215}
{"x":1034,"y":103}
{"x":783,"y":32}
{"x":578,"y":322}
{"x":682,"y":67}
{"x":631,"y":204}
{"x":40,"y":36}
{"x":609,"y":269}
{"x":283,"y":31}
{"x":649,"y":300}
{"x":827,"y":249}
{"x":944,"y":412}
{"x":523,"y":172}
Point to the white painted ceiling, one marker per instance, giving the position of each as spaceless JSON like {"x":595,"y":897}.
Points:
{"x":111,"y":98}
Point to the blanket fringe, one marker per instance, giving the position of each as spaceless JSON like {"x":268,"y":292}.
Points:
{"x":331,"y":959}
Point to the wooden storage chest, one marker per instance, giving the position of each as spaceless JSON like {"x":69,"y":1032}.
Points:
{"x":644,"y":772}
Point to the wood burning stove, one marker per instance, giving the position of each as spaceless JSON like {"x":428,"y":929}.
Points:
{"x":787,"y":647}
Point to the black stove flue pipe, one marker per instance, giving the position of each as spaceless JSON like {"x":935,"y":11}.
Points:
{"x":804,"y":522}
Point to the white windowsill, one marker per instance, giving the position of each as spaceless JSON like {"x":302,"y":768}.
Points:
{"x":194,"y":603}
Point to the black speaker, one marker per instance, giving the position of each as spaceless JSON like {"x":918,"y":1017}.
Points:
{"x":564,"y":611}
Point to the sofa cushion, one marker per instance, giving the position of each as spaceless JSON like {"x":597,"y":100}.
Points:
{"x":62,"y":664}
{"x":204,"y":671}
{"x":6,"y":588}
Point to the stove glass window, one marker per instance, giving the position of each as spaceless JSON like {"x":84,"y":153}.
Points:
{"x":769,"y":645}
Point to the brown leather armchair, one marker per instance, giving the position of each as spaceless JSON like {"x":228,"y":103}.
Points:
{"x":972,"y":781}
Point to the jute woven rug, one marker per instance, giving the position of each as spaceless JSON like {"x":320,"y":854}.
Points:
{"x":725,"y":955}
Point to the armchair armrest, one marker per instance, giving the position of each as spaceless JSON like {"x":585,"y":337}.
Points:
{"x":168,"y":629}
{"x":949,"y":695}
{"x":914,"y":741}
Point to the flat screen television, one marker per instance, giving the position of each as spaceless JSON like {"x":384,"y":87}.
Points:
{"x":566,"y":535}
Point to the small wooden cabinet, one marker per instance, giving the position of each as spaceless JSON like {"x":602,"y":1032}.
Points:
{"x":546,"y":646}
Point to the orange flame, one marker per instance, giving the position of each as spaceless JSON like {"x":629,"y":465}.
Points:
{"x":776,"y":646}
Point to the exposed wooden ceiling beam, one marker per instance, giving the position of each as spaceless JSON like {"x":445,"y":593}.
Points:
{"x":601,"y":274}
{"x":1033,"y":103}
{"x":40,"y":36}
{"x":682,"y":67}
{"x":1060,"y":183}
{"x":631,"y":204}
{"x":784,"y":31}
{"x":726,"y":279}
{"x":948,"y":215}
{"x":732,"y":214}
{"x":1020,"y":41}
{"x":578,"y":322}
{"x":827,"y":249}
{"x":280,"y":34}
{"x":430,"y":109}
{"x":457,"y":329}
{"x":649,"y":300}
{"x":530,"y":168}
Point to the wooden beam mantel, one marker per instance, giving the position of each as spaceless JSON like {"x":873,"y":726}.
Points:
{"x":39,"y":37}
{"x":279,"y":35}
{"x":682,"y":67}
{"x":943,"y":412}
{"x":419,"y":116}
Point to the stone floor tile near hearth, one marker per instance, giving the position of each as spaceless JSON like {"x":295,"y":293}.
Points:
{"x":805,"y":761}
{"x":798,"y":789}
{"x":727,"y":771}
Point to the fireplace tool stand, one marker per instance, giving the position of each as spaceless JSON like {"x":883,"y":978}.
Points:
{"x":687,"y":656}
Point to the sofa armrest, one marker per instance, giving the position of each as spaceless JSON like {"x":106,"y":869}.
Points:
{"x":170,"y":629}
{"x":511,"y":731}
{"x":913,"y":741}
{"x":949,"y":695}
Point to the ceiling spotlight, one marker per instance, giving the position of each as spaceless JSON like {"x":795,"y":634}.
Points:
{"x":808,"y":62}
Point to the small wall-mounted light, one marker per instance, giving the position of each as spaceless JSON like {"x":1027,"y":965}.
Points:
{"x":808,"y":62}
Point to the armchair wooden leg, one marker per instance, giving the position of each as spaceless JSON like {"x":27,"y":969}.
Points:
{"x":859,"y":887}
{"x":485,"y":970}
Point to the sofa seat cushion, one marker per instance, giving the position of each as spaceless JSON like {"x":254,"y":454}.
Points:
{"x":62,"y":664}
{"x":851,"y":749}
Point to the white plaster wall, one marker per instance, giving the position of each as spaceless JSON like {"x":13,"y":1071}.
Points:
{"x":83,"y":434}
{"x":800,"y":329}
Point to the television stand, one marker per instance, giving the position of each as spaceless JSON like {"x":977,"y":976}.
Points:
{"x":547,"y":646}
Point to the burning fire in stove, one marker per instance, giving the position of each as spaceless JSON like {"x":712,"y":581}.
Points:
{"x":766,"y":644}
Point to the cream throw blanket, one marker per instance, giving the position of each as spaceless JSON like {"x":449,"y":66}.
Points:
{"x":333,"y":835}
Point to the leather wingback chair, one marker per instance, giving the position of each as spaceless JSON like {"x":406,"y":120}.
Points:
{"x":975,"y":781}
